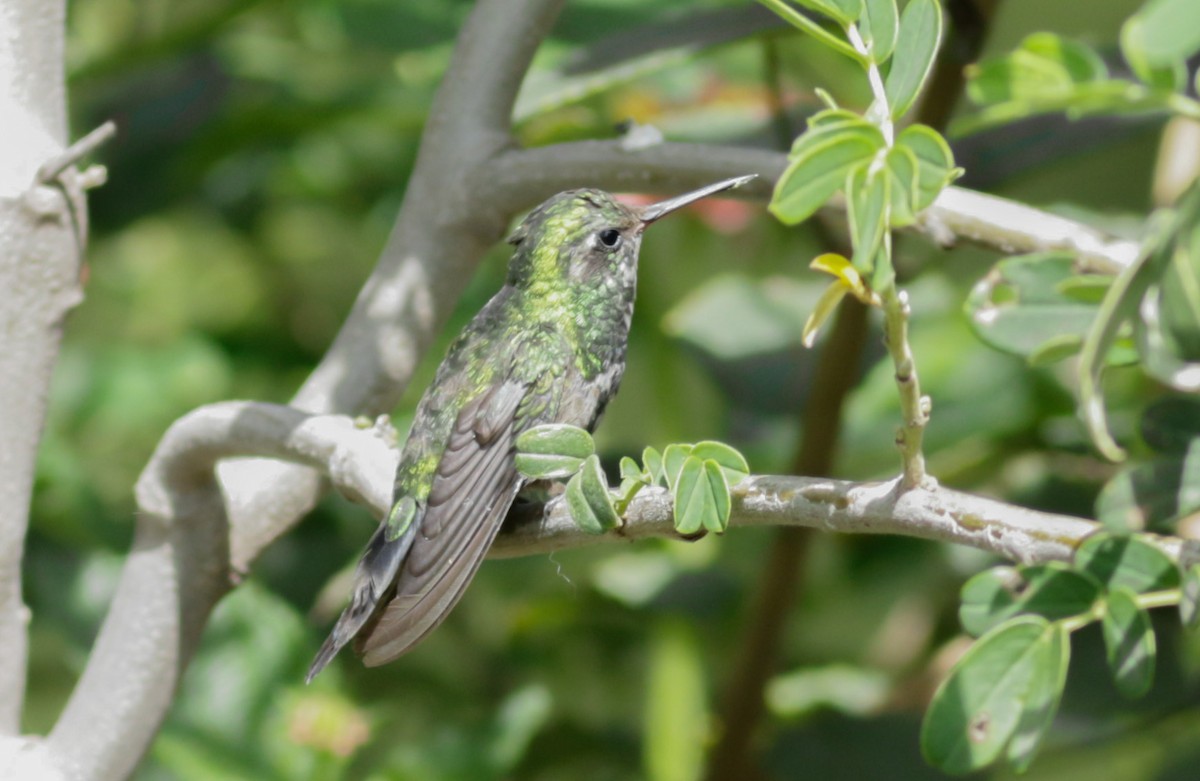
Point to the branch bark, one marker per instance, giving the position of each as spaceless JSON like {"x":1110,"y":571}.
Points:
{"x":39,"y":274}
{"x":360,"y":462}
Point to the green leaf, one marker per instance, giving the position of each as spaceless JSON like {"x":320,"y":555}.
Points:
{"x":1051,"y":590}
{"x":1167,"y":76}
{"x":732,"y":463}
{"x":1044,"y":695}
{"x":902,"y":170}
{"x":1055,"y":349}
{"x":1080,"y":62}
{"x":1126,"y":562}
{"x":552,"y":451}
{"x":673,"y":458}
{"x":633,"y":480}
{"x":701,"y":497}
{"x":867,"y":207}
{"x":1019,"y":307}
{"x":826,"y":305}
{"x":1119,"y":305}
{"x":916,"y":47}
{"x":802,"y":22}
{"x":1163,"y":32}
{"x":1085,"y":288}
{"x":827,"y":119}
{"x":1152,"y":494}
{"x":1189,"y":601}
{"x":935,"y":162}
{"x":979,"y":706}
{"x":1129,"y":643}
{"x":589,"y":501}
{"x":845,"y":12}
{"x":818,"y":167}
{"x":879,"y":26}
{"x":1168,"y":329}
{"x":1045,"y":67}
{"x":653,"y":461}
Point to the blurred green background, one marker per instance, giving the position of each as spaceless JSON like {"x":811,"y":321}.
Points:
{"x":263,"y":152}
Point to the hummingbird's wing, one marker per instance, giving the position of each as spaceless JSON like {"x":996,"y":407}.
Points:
{"x":475,"y":484}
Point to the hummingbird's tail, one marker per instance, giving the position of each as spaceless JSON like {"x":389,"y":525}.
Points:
{"x":375,"y":574}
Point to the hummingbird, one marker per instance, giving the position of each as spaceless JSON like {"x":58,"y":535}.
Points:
{"x":549,"y":347}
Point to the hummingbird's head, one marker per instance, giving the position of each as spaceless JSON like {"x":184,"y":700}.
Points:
{"x":587,"y":237}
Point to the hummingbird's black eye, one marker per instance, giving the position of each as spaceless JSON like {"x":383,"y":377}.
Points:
{"x":610,"y":238}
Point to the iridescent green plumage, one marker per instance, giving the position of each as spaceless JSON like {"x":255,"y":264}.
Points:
{"x":548,"y":348}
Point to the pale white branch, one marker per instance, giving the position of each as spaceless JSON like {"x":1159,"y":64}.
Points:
{"x":932,"y":513}
{"x":39,"y":283}
{"x":179,"y":567}
{"x":527,"y":176}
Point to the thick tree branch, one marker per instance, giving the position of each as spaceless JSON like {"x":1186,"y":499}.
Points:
{"x":39,"y":276}
{"x":360,"y":462}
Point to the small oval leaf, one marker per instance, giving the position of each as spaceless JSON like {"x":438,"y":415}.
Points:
{"x":691,"y":506}
{"x":935,"y":162}
{"x":1189,"y":600}
{"x":819,"y":162}
{"x":977,"y":709}
{"x":916,"y":47}
{"x":1129,"y":643}
{"x":673,"y":458}
{"x":879,"y":25}
{"x":718,"y":489}
{"x":732,"y":463}
{"x":1045,"y":693}
{"x":1052,"y":590}
{"x":589,"y":501}
{"x":1126,"y":562}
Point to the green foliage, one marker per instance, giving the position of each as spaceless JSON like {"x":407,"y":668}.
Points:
{"x":1005,"y":689}
{"x":887,"y":181}
{"x":699,"y":477}
{"x":1028,"y":305}
{"x":920,"y":36}
{"x":588,"y":499}
{"x":1163,"y":321}
{"x":553,"y":451}
{"x":1053,"y":591}
{"x":1129,"y":641}
{"x":1048,"y":73}
{"x":996,"y":687}
{"x":820,"y":162}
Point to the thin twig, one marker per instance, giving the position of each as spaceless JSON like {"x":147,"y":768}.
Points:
{"x":51,"y":169}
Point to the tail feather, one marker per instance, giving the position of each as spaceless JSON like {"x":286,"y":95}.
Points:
{"x":374,"y":577}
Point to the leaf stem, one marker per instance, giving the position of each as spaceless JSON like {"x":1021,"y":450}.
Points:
{"x":799,"y":20}
{"x":914,"y":408}
{"x":880,"y":112}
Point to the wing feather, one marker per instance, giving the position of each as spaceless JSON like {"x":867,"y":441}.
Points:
{"x":472,"y":490}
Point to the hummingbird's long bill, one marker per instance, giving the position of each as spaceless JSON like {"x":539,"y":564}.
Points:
{"x":654,"y":211}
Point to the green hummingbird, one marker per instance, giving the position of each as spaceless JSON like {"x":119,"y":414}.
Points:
{"x":549,"y":347}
